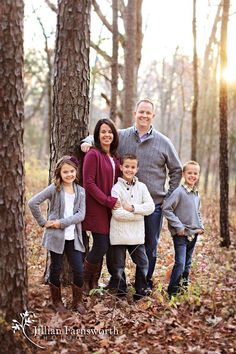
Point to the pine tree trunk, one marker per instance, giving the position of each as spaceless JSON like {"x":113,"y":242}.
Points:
{"x":13,"y":267}
{"x":71,"y":78}
{"x":223,"y":106}
{"x":71,"y":85}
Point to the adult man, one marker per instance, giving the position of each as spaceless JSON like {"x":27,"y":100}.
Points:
{"x":156,"y":154}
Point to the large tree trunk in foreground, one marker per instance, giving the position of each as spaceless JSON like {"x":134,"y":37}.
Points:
{"x":13,"y":273}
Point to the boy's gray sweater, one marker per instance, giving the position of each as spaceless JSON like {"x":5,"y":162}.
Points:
{"x":181,"y":210}
{"x":157,"y":159}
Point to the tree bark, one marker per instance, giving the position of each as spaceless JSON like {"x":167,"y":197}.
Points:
{"x":195,"y":87}
{"x":114,"y":68}
{"x":71,"y":78}
{"x":71,"y":85}
{"x":223,"y":107}
{"x":130,"y":61}
{"x":13,"y":267}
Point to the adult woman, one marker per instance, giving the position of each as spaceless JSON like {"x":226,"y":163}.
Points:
{"x":100,"y":171}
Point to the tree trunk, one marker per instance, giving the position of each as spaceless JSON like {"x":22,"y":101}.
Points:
{"x":130,"y":62}
{"x":132,"y":54}
{"x":13,"y":267}
{"x":71,"y":84}
{"x":208,"y":89}
{"x":223,"y":107}
{"x":181,"y":124}
{"x":114,"y":67}
{"x":195,"y":87}
{"x":71,"y":78}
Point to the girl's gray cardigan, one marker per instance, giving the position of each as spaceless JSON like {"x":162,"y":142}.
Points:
{"x":54,"y":239}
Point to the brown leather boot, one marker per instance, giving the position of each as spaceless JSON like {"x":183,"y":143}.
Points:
{"x":57,"y":303}
{"x":89,"y":270}
{"x":96,"y":275}
{"x":77,"y":303}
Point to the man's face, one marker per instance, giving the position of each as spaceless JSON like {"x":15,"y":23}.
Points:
{"x":144,"y":116}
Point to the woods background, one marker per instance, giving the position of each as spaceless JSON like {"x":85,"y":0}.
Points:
{"x":84,"y":60}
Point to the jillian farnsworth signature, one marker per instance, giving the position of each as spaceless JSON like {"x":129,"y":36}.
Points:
{"x":26,"y":321}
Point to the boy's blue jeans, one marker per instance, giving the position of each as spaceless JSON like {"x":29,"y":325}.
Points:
{"x":153,"y":224}
{"x":183,"y":259}
{"x":139,"y":257}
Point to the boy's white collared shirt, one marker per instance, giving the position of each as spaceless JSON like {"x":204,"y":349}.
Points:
{"x":190,"y":189}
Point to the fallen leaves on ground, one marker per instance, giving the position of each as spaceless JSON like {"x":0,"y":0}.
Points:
{"x":200,"y":321}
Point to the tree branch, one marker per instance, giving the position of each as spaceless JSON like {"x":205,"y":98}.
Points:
{"x":105,"y":22}
{"x":51,"y":5}
{"x":101,"y":52}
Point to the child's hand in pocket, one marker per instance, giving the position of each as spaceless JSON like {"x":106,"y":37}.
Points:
{"x":181,"y":233}
{"x":200,"y":231}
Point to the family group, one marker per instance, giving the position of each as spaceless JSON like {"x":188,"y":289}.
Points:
{"x":122,"y":203}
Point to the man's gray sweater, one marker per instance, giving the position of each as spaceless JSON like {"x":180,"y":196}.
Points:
{"x":182,"y":210}
{"x":157,"y":160}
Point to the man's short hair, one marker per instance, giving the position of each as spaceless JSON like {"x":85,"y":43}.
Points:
{"x":146,"y":99}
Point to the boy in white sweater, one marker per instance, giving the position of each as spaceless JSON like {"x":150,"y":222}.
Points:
{"x":127,"y":226}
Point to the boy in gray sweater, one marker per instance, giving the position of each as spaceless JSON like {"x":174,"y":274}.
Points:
{"x":181,"y":210}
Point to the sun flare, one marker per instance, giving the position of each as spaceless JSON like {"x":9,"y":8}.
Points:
{"x":229,"y":74}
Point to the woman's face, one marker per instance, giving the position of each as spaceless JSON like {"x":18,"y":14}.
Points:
{"x":105,"y":136}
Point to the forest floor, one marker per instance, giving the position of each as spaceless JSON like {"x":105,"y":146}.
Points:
{"x":200,"y":321}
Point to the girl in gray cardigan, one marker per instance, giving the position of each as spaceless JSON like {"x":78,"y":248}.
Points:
{"x":62,"y":233}
{"x":181,"y":210}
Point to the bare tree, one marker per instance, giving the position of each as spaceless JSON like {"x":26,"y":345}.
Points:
{"x":195,"y":86}
{"x":223,"y":107}
{"x":114,"y":67}
{"x":130,"y":57}
{"x":131,"y":43}
{"x":48,"y":116}
{"x":13,"y":267}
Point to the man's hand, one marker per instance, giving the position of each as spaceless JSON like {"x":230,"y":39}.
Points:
{"x":85,"y":147}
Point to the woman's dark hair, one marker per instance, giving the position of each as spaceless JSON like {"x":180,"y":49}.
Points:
{"x":115,"y":142}
{"x":70,"y":160}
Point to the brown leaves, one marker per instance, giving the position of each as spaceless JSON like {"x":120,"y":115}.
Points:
{"x":202,"y":321}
